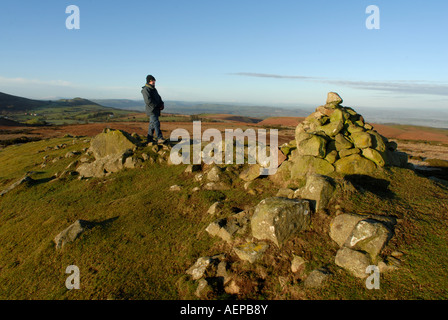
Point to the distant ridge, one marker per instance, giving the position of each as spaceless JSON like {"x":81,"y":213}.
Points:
{"x":11,"y":103}
{"x":14,"y":103}
{"x":10,"y":123}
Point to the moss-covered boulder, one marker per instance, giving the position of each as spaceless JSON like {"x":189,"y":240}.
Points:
{"x":112,"y":142}
{"x":303,"y":165}
{"x":374,"y":156}
{"x":355,"y":164}
{"x":314,"y":146}
{"x":361,"y":140}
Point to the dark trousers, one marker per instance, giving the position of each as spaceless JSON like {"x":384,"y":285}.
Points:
{"x":154,"y":127}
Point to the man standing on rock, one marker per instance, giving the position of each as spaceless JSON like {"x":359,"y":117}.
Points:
{"x":154,"y":104}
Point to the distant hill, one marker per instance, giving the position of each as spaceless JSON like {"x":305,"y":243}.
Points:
{"x":124,"y":104}
{"x":11,"y":103}
{"x":189,"y":108}
{"x":62,"y":111}
{"x":75,"y":102}
{"x":10,"y":123}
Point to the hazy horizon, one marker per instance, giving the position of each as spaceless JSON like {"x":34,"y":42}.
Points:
{"x":252,"y":52}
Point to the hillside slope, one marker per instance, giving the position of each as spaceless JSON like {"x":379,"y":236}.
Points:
{"x":149,"y":236}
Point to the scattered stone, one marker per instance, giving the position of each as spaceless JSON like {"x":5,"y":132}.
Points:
{"x":342,"y":226}
{"x":72,"y":232}
{"x":251,"y":173}
{"x":199,"y":177}
{"x":198,"y":270}
{"x":216,"y":186}
{"x":25,"y":179}
{"x":72,"y":154}
{"x":392,"y":264}
{"x":112,"y":142}
{"x":370,"y":236}
{"x":232,"y":288}
{"x":397,"y":254}
{"x":214,"y":174}
{"x":203,"y":289}
{"x":297,"y":264}
{"x":226,"y":228}
{"x":193,"y":168}
{"x":251,"y":251}
{"x":215,"y":208}
{"x":277,"y":219}
{"x":353,"y":261}
{"x":175,"y":188}
{"x":132,"y":163}
{"x":283,"y":281}
{"x":317,"y":278}
{"x":285,"y":193}
{"x":222,"y":272}
{"x":318,"y":188}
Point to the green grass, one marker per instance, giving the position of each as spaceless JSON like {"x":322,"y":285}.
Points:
{"x":151,"y":236}
{"x":155,"y":237}
{"x":59,"y":115}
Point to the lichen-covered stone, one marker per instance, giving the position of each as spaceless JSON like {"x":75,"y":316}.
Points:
{"x":355,"y":164}
{"x":276,"y":219}
{"x":361,"y":140}
{"x":302,"y":165}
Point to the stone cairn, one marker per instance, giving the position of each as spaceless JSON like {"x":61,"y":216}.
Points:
{"x":335,"y":138}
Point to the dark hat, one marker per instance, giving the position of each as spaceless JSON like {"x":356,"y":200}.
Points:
{"x":149,"y":78}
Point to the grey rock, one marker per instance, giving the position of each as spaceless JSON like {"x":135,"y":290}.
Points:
{"x":355,"y":262}
{"x":285,"y":193}
{"x":215,"y":208}
{"x":320,"y":189}
{"x":214,"y":174}
{"x":25,"y":179}
{"x":297,"y":264}
{"x":251,"y":251}
{"x":316,"y":278}
{"x":216,"y":186}
{"x":342,"y":226}
{"x":277,"y":219}
{"x":72,"y":232}
{"x":193,"y":168}
{"x":334,"y":98}
{"x":370,"y":236}
{"x":198,"y":270}
{"x":227,"y":228}
{"x":251,"y":173}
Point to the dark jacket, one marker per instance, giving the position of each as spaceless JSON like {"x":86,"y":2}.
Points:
{"x":153,"y":101}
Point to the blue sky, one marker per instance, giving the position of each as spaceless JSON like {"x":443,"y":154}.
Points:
{"x":257,"y":52}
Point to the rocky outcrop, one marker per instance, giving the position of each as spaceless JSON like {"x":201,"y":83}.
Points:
{"x":115,"y":150}
{"x":111,"y":148}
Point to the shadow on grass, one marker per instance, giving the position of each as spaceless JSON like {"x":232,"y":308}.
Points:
{"x":378,"y":187}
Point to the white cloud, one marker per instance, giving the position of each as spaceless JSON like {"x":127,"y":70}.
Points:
{"x":396,"y":86}
{"x":23,"y":81}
